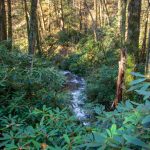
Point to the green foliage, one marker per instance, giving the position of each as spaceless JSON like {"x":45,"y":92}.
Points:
{"x":53,"y":127}
{"x":103,"y":87}
{"x":90,"y":54}
{"x":32,"y":113}
{"x":128,"y":127}
{"x":27,"y":123}
{"x":96,"y":60}
{"x":122,"y":129}
{"x":70,"y":36}
{"x":27,"y":81}
{"x":140,"y":85}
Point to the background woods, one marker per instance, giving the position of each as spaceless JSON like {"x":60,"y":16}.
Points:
{"x":82,"y":16}
{"x":74,"y":74}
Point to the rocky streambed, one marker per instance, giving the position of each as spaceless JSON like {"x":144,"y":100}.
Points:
{"x":77,"y":86}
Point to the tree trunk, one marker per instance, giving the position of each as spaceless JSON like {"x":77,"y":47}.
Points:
{"x":62,"y":24}
{"x":9,"y":24}
{"x":134,"y":13}
{"x":40,"y":12}
{"x":93,"y":22}
{"x":147,"y":67}
{"x":56,"y":13}
{"x":85,"y":17}
{"x":80,"y":15}
{"x":120,"y":80}
{"x":95,"y":9}
{"x":3,"y":24}
{"x":38,"y":40}
{"x":122,"y":4}
{"x":49,"y":18}
{"x":27,"y":18}
{"x":101,"y":13}
{"x":104,"y":2}
{"x":143,"y":50}
{"x":33,"y":26}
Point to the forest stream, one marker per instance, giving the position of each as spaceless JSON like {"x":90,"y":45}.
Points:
{"x":77,"y":86}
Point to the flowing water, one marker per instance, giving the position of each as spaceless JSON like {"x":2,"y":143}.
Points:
{"x":77,"y":86}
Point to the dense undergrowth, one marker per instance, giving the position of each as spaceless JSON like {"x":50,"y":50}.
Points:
{"x":33,"y":113}
{"x":27,"y":81}
{"x":91,"y":59}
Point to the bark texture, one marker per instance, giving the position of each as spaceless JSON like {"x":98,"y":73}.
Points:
{"x":120,"y":80}
{"x":3,"y":24}
{"x":27,"y":18}
{"x":134,"y":13}
{"x":122,"y":4}
{"x":133,"y":33}
{"x":33,"y":27}
{"x":9,"y":24}
{"x":148,"y":58}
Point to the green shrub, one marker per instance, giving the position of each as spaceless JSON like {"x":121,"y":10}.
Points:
{"x":128,"y":127}
{"x":22,"y":85}
{"x":98,"y":61}
{"x":102,"y":88}
{"x":32,"y":98}
{"x":54,"y":128}
{"x":65,"y":37}
{"x":89,"y":55}
{"x":26,"y":123}
{"x":140,"y":86}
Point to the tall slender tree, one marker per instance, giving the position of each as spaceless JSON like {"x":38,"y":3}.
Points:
{"x":41,"y":16}
{"x":100,"y":13}
{"x":62,"y":23}
{"x":80,"y":15}
{"x":122,"y":4}
{"x":9,"y":24}
{"x":133,"y":32}
{"x":27,"y":17}
{"x":3,"y":24}
{"x":94,"y":28}
{"x":49,"y":17}
{"x":33,"y":27}
{"x":144,"y":41}
{"x":147,"y":68}
{"x":107,"y":19}
{"x":96,"y":11}
{"x":134,"y":14}
{"x":147,"y":64}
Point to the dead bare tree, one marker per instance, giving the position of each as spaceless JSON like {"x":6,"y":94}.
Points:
{"x":120,"y":80}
